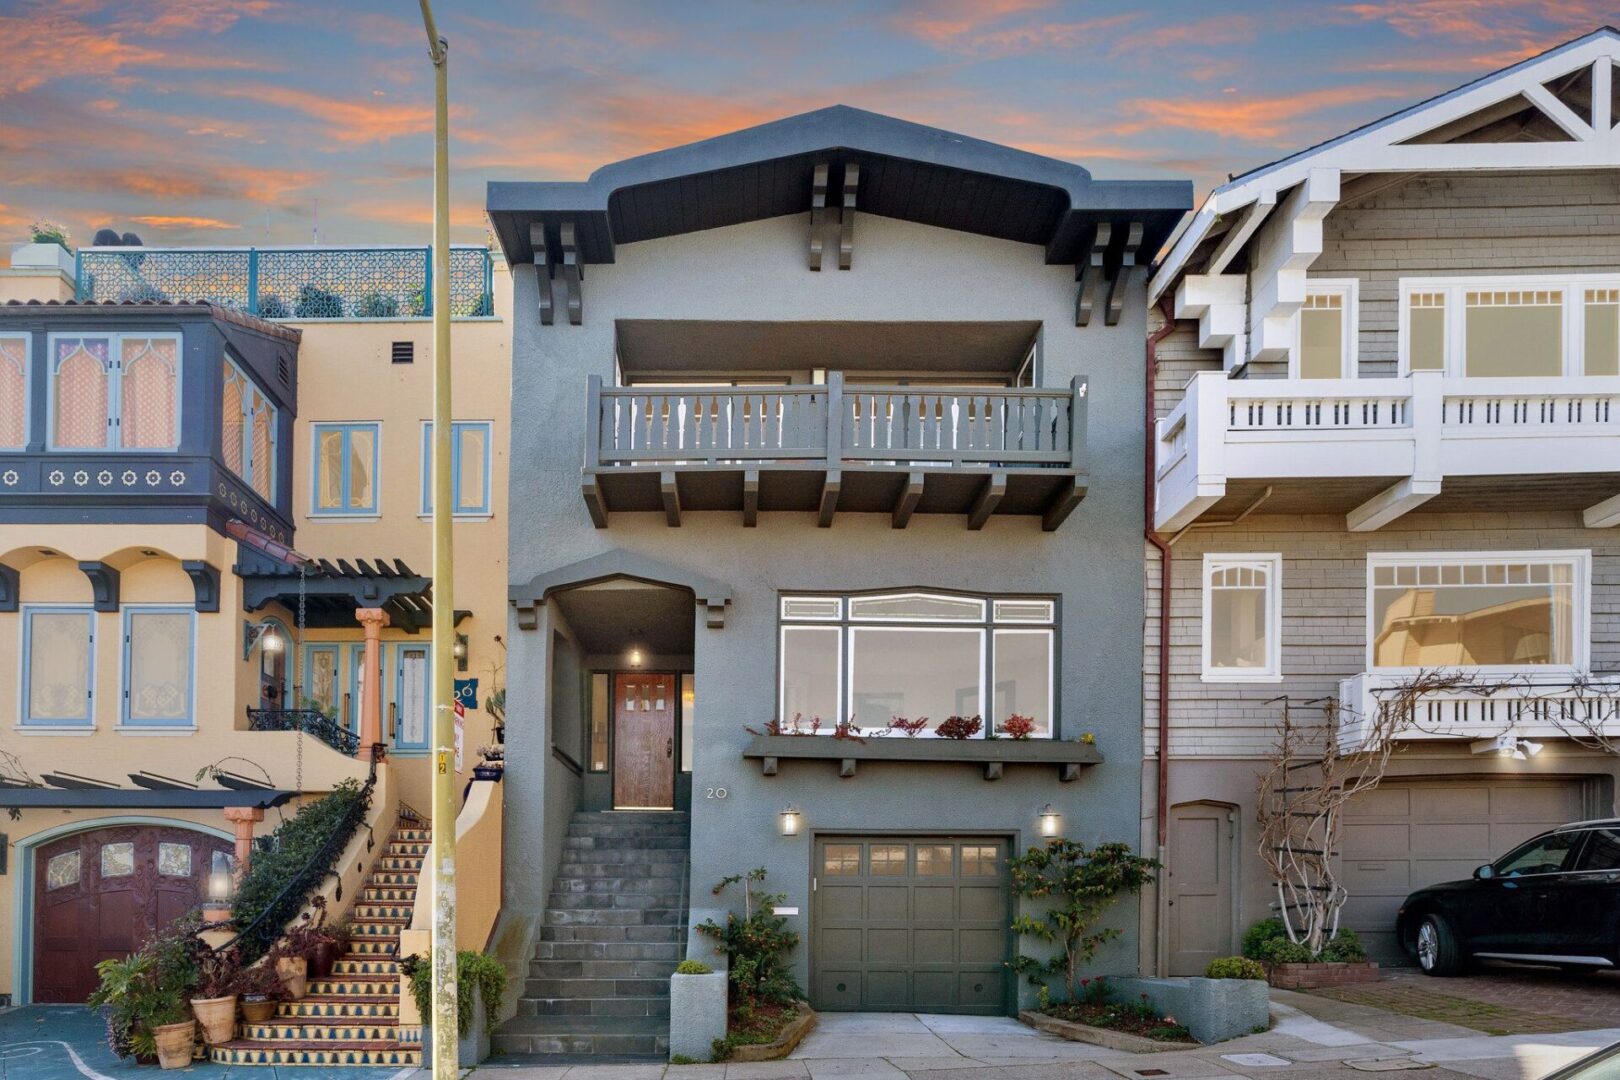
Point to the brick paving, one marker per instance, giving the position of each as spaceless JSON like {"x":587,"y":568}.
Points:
{"x":1498,"y":999}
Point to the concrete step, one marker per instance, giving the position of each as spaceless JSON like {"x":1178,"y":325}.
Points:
{"x":627,"y":831}
{"x":628,"y":1035}
{"x":638,"y":856}
{"x":601,"y":969}
{"x":619,"y":843}
{"x":613,"y":1006}
{"x":572,"y":883}
{"x":656,"y":932}
{"x":593,"y":900}
{"x":655,"y":817}
{"x":608,"y":950}
{"x":595,"y":988}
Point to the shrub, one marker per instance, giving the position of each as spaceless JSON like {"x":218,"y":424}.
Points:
{"x":142,"y":992}
{"x":682,"y":1059}
{"x":472,"y":969}
{"x":49,"y":232}
{"x":757,"y":944}
{"x":1234,"y":967}
{"x":1267,"y":941}
{"x":273,"y":307}
{"x":1344,"y":947}
{"x":315,"y":302}
{"x":377,"y":306}
{"x":693,"y":967}
{"x":959,"y":727}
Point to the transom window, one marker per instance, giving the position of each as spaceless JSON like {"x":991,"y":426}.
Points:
{"x":248,"y":431}
{"x":13,"y":391}
{"x":1497,"y":610}
{"x":1242,"y":617}
{"x":469,"y":466}
{"x":345,"y":468}
{"x":1511,"y":327}
{"x":115,"y":391}
{"x":1325,"y":331}
{"x":876,"y":658}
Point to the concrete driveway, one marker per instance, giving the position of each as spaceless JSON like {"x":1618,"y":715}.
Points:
{"x":1497,"y":999}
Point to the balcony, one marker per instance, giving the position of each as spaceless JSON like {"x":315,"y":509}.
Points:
{"x":300,"y":283}
{"x":1535,"y":707}
{"x":1373,"y":449}
{"x":826,"y":448}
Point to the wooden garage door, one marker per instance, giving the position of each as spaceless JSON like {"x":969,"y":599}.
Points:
{"x":910,"y":924}
{"x":1404,"y":835}
{"x":100,"y":895}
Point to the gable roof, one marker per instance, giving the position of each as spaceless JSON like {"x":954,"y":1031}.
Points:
{"x":907,"y":171}
{"x":1436,"y":135}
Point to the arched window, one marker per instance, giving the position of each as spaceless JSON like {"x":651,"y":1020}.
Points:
{"x":232,"y":412}
{"x":115,"y":392}
{"x":13,"y":392}
{"x":248,"y":431}
{"x":149,"y":382}
{"x":81,"y":373}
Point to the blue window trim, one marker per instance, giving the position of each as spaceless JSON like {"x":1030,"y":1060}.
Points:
{"x":88,"y":720}
{"x":250,"y":466}
{"x":457,"y":427}
{"x":400,"y":747}
{"x":125,"y":716}
{"x":307,"y":681}
{"x":357,"y":663}
{"x":27,"y":394}
{"x":348,"y":429}
{"x":115,"y":368}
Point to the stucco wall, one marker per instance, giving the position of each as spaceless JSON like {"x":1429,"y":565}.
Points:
{"x":901,"y":271}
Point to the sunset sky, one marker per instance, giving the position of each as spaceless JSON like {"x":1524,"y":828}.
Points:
{"x":220,"y":122}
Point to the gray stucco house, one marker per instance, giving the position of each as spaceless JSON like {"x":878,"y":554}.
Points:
{"x":838,"y":418}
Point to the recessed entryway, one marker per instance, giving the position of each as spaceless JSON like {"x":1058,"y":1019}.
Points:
{"x":644,"y":741}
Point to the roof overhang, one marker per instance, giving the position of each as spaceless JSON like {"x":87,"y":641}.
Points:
{"x":906,"y":170}
{"x":39,"y":798}
{"x":527,"y":596}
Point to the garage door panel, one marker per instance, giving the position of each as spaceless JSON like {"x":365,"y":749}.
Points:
{"x":1363,"y":838}
{"x":910,"y":923}
{"x":1446,"y":837}
{"x":1455,"y":801}
{"x":1377,"y":875}
{"x":1386,"y":801}
{"x":1539,"y":803}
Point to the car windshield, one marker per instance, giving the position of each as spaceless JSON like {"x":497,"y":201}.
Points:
{"x":1604,"y":1065}
{"x":1544,"y":855}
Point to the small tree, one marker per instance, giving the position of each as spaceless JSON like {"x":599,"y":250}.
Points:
{"x":757,"y":944}
{"x":1081,"y":884}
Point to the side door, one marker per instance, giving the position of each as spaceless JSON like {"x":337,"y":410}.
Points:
{"x":1592,"y":899}
{"x":1511,"y":915}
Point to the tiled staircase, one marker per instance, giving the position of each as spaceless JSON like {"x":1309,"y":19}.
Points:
{"x":351,"y":1017}
{"x":615,"y":929}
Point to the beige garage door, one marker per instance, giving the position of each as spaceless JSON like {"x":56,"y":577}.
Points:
{"x":1404,"y":835}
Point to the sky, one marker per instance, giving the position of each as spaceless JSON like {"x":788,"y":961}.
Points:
{"x":239,"y":122}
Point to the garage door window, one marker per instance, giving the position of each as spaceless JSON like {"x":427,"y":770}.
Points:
{"x":62,"y":870}
{"x":174,"y":860}
{"x":918,"y":656}
{"x":117,"y":860}
{"x":1506,"y":612}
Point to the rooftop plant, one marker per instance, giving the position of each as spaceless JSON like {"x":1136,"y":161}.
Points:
{"x":49,"y":232}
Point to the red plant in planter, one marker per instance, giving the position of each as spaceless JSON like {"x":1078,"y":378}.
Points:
{"x":1018,"y":727}
{"x":959,"y":727}
{"x":912,"y":728}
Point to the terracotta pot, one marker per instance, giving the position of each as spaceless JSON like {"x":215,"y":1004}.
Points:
{"x":321,"y":958}
{"x":294,"y":972}
{"x":217,"y":1017}
{"x":258,"y":1012}
{"x":174,"y":1043}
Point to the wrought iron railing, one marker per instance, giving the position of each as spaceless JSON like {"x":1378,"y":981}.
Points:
{"x":311,"y":722}
{"x":291,"y":283}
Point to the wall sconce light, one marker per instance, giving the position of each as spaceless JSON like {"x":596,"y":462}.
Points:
{"x":635,"y":656}
{"x":265,"y":632}
{"x":458,"y":649}
{"x":1051,"y":821}
{"x":790,"y":820}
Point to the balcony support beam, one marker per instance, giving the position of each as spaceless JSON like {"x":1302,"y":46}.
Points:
{"x":1283,"y":253}
{"x":1605,"y":515}
{"x":750,"y":498}
{"x":670,"y":491}
{"x":1063,"y":504}
{"x":906,"y":504}
{"x":818,"y":214}
{"x":204,"y":583}
{"x":829,"y":497}
{"x":1089,"y":272}
{"x":542,"y":273}
{"x":846,"y":216}
{"x":595,"y":502}
{"x":1391,"y":503}
{"x":989,"y":497}
{"x":573,"y":273}
{"x":1120,"y":280}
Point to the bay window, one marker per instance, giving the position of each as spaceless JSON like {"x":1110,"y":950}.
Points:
{"x":1502,"y":610}
{"x":13,"y":391}
{"x":1511,"y":327}
{"x":248,"y":431}
{"x":115,"y":391}
{"x":874,"y":658}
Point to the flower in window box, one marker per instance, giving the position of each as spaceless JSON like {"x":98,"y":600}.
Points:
{"x":959,"y":727}
{"x":1089,"y":739}
{"x":911,"y":728}
{"x":1018,"y":727}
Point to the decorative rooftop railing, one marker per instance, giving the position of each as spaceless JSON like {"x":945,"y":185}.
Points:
{"x":290,"y":283}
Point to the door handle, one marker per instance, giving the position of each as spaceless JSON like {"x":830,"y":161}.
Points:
{"x":669,"y":747}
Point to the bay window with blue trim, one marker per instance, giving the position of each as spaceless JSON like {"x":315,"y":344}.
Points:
{"x":413,"y":697}
{"x":159,"y":668}
{"x":469,"y":467}
{"x":58,"y":667}
{"x":346,"y":461}
{"x":114,"y":391}
{"x":248,"y":423}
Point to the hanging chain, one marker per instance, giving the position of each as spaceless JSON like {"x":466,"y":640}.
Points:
{"x":303,"y":600}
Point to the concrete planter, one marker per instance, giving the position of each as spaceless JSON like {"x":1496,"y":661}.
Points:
{"x":1312,"y":976}
{"x":697,"y":1014}
{"x":42,"y":257}
{"x":1212,"y":1009}
{"x":1113,"y":1040}
{"x":785,"y":1043}
{"x":471,"y":1048}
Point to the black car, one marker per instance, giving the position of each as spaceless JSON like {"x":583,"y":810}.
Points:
{"x":1552,"y":900}
{"x":1600,"y":1065}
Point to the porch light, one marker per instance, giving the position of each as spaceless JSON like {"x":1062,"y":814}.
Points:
{"x":219,"y":885}
{"x":790,"y":820}
{"x":458,"y":649}
{"x":272,"y":640}
{"x":1051,"y":821}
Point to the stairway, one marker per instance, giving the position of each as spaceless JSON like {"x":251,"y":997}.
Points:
{"x":614,"y":930}
{"x":351,"y":1017}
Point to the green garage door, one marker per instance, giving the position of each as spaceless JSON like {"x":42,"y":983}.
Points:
{"x":910,"y":924}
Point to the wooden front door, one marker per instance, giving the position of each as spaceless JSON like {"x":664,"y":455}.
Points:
{"x":101,"y":894}
{"x":644,"y":742}
{"x":1201,"y":885}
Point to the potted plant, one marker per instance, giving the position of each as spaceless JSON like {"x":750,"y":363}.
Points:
{"x":302,"y":944}
{"x":292,"y":968}
{"x":49,"y":232}
{"x":213,"y":1000}
{"x":143,"y":998}
{"x":261,"y":992}
{"x":493,"y":767}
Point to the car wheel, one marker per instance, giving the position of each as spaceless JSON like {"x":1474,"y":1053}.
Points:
{"x":1437,"y":950}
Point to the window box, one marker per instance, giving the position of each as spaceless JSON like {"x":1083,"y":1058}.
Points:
{"x":993,"y":755}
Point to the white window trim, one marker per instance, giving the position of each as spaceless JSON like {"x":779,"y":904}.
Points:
{"x":115,"y":402}
{"x":1580,"y":559}
{"x":28,"y":393}
{"x":1349,"y":291}
{"x":1271,"y":563}
{"x":1573,"y":287}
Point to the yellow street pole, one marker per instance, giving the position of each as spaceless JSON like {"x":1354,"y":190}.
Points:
{"x":443,"y":857}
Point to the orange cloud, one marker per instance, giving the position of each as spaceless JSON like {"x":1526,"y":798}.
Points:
{"x":345,"y":121}
{"x":1255,"y":119}
{"x":44,"y":44}
{"x":992,"y":28}
{"x":1218,"y":30}
{"x":182,"y":221}
{"x":192,"y":16}
{"x":1484,"y":21}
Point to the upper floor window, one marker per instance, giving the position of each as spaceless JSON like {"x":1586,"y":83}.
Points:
{"x":469,"y":466}
{"x":917,"y":656}
{"x":115,"y":391}
{"x":58,"y":686}
{"x":1242,"y":618}
{"x":159,"y":655}
{"x":1511,"y":327}
{"x":1500,"y":610}
{"x":345,"y":468}
{"x":248,"y":431}
{"x":1325,"y":331}
{"x":13,"y":391}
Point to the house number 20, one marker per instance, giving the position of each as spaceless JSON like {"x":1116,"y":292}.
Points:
{"x":714,"y":793}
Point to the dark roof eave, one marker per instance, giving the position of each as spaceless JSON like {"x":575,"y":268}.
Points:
{"x":138,"y":799}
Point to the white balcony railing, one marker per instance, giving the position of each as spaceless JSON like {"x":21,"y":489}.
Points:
{"x":1415,"y":431}
{"x":1531,"y":706}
